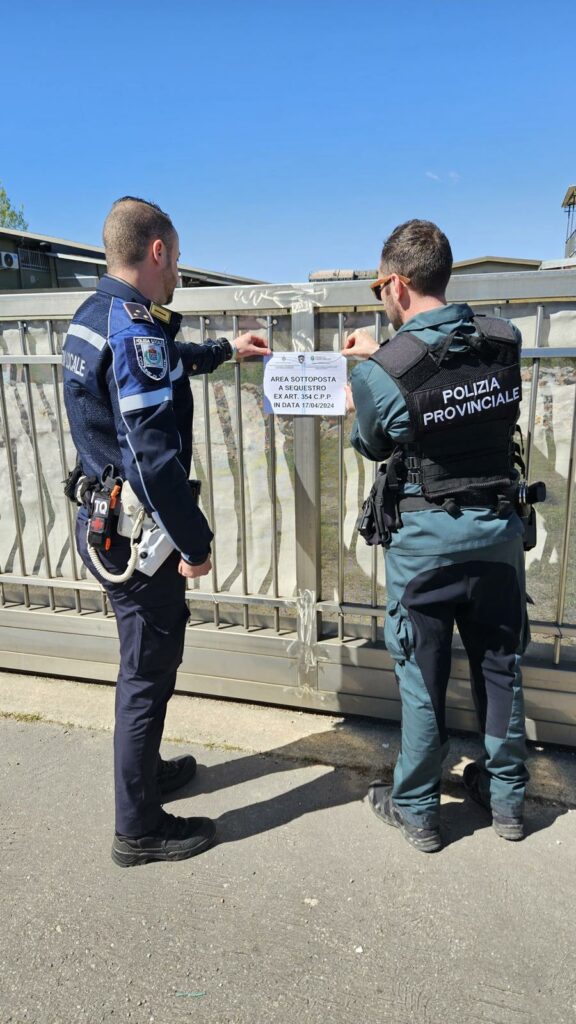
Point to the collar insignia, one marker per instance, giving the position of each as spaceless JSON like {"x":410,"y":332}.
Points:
{"x":160,"y":313}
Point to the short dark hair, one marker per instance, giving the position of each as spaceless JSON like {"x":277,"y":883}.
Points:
{"x":130,"y":227}
{"x":419,"y":250}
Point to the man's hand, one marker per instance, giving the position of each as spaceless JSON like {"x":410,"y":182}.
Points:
{"x":192,"y":572}
{"x":350,"y":407}
{"x":250,"y":344}
{"x":360,"y":344}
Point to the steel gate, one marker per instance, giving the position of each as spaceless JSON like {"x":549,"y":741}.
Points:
{"x":294,"y":608}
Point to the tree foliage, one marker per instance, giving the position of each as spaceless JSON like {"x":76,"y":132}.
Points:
{"x":10,"y":217}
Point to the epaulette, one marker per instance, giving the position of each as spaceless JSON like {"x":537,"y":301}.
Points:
{"x":137,"y":311}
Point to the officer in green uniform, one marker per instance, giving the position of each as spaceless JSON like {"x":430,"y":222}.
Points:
{"x":440,"y":402}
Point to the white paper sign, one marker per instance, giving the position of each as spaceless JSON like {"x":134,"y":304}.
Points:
{"x":305,"y":384}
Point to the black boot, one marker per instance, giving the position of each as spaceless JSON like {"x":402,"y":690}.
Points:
{"x":427,"y":840}
{"x":507,"y":826}
{"x":173,"y":839}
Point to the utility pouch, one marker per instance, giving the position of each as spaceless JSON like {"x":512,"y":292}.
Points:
{"x":71,"y":482}
{"x":378,"y":518}
{"x":528,"y":518}
{"x":154,"y":545}
{"x":195,"y":488}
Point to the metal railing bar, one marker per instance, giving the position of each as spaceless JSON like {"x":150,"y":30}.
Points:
{"x":240,"y":448}
{"x":226,"y":597}
{"x":13,"y":487}
{"x":379,"y":611}
{"x":555,"y":352}
{"x":52,"y":582}
{"x":549,"y":353}
{"x":567,"y":529}
{"x":62,"y":583}
{"x":374,"y":550}
{"x":29,"y":360}
{"x":533,"y":392}
{"x":374,"y":553}
{"x":209,"y":474}
{"x":62,"y":451}
{"x":36,"y":457}
{"x":539,"y":626}
{"x":564,"y":629}
{"x":366,"y":611}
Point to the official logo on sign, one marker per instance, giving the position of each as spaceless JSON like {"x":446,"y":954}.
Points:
{"x":152,"y":357}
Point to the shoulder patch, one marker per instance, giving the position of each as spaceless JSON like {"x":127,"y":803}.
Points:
{"x":137,"y":311}
{"x":152,"y":356}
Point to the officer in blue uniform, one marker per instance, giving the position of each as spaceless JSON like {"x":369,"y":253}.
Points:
{"x":129,"y":405}
{"x":440,"y":402}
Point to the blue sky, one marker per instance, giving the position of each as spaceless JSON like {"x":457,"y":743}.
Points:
{"x":285,"y":138}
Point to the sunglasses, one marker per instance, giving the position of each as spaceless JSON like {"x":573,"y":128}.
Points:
{"x":381,"y":283}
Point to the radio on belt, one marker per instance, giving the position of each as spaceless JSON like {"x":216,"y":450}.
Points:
{"x":104,"y":507}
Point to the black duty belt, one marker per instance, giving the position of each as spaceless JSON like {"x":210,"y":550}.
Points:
{"x":418,"y":503}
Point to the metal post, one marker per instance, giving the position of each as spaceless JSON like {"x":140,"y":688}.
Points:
{"x":375,"y":550}
{"x":566,"y":540}
{"x":341,"y":498}
{"x":271,"y":424}
{"x":37,"y":467}
{"x":307,"y":487}
{"x":240,"y":443}
{"x":533,"y":393}
{"x":62,"y":447}
{"x":210,"y":475}
{"x":13,"y":489}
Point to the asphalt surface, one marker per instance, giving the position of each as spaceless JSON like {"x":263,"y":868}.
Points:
{"x":308,"y":909}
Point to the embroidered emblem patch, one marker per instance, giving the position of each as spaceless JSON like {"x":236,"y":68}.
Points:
{"x":151,"y":356}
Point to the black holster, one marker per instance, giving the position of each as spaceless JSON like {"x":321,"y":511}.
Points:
{"x":379,"y":517}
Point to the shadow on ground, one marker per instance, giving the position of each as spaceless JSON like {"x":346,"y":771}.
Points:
{"x":334,"y":787}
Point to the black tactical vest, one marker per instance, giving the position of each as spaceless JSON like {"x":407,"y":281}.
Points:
{"x":463,"y":407}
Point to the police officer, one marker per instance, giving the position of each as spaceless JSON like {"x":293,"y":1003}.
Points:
{"x":129,"y":405}
{"x":440,"y":402}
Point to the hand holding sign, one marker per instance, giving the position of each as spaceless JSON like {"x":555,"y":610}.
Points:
{"x":250,"y":344}
{"x":360,"y":345}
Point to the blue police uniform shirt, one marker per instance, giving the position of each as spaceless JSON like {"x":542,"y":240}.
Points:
{"x":129,"y":404}
{"x":382,"y":422}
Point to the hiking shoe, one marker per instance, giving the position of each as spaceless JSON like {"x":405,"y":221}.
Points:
{"x":174,"y":839}
{"x":175,"y":773}
{"x":509,"y":827}
{"x":427,"y":840}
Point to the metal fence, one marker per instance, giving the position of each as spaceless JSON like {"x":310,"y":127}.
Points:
{"x":293,"y":610}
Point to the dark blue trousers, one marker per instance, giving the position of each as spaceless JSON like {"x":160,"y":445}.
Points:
{"x":151,"y":615}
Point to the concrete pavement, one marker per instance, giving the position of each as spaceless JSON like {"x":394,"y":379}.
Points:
{"x":362,"y":744}
{"x":308,"y":909}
